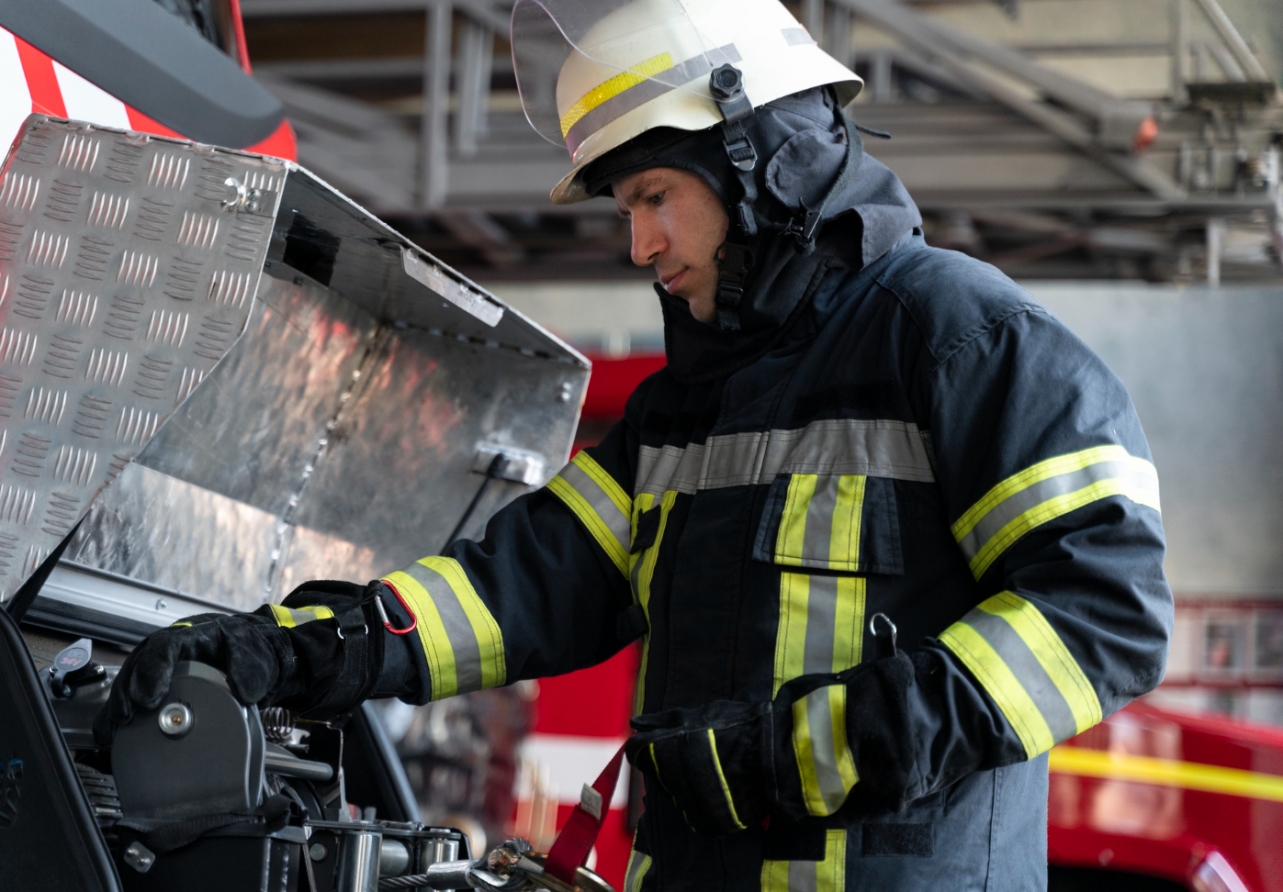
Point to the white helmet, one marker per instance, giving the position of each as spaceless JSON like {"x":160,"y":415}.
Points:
{"x":633,"y":65}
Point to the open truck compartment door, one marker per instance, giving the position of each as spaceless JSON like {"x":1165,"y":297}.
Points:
{"x":366,"y":388}
{"x":219,"y":378}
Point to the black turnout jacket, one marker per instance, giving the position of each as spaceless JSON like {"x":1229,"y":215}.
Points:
{"x":922,"y":440}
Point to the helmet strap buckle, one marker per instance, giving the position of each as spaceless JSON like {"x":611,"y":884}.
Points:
{"x":726,"y":83}
{"x":738,"y":147}
{"x":733,"y":263}
{"x":803,"y":227}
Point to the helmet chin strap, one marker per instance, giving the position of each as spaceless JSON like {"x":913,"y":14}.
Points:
{"x":735,"y":256}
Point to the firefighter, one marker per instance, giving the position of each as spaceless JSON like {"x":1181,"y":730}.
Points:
{"x":887,"y":531}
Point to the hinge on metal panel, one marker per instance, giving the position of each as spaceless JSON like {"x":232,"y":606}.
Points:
{"x":244,"y":199}
{"x":518,"y":465}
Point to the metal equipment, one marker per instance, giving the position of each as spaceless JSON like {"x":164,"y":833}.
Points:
{"x":373,"y":394}
{"x":271,"y":385}
{"x":206,"y":802}
{"x":1010,"y":156}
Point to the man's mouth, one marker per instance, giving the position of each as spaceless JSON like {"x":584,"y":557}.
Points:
{"x":671,"y":283}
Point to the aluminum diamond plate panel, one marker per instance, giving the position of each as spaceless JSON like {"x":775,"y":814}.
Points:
{"x":128,"y":267}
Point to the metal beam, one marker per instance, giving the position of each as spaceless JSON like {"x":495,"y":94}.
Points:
{"x":433,"y":149}
{"x":1179,"y":48}
{"x":472,"y":78}
{"x":951,"y":51}
{"x":251,"y":9}
{"x":478,"y":230}
{"x":813,"y":17}
{"x":1234,"y":41}
{"x":939,"y":37}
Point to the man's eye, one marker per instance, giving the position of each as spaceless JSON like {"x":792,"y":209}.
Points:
{"x":657,"y":198}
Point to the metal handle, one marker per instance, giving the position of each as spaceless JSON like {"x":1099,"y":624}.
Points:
{"x":446,"y":875}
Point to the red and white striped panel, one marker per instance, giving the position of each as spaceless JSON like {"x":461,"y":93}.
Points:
{"x":31,"y":82}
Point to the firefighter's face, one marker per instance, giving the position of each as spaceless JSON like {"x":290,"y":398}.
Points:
{"x":678,"y":224}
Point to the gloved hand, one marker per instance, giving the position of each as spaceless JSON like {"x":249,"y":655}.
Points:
{"x":320,"y":652}
{"x":730,"y":764}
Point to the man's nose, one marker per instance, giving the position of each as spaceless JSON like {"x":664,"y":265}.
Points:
{"x":648,"y":241}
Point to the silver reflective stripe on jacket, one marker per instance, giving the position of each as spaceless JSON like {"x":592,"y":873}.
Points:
{"x":877,"y":448}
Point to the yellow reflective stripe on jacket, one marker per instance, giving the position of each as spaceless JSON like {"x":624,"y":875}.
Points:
{"x":1048,"y":490}
{"x":820,"y":526}
{"x":828,"y":875}
{"x":638,"y":865}
{"x":600,"y":503}
{"x":291,"y":617}
{"x":721,"y":777}
{"x":821,"y":626}
{"x":824,"y":759}
{"x":461,"y":640}
{"x":642,"y":573}
{"x":1025,"y":667}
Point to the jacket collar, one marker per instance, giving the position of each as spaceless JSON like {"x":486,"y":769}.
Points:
{"x":872,"y":215}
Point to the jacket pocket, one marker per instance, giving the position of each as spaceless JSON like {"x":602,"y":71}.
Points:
{"x":842,"y":522}
{"x":843,"y":527}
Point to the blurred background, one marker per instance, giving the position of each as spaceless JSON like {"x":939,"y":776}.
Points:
{"x":1119,"y":158}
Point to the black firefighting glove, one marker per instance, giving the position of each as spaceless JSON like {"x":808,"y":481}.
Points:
{"x":730,"y":764}
{"x":319,"y":653}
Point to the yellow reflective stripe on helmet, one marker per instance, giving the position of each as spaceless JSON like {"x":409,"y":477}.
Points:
{"x":180,"y":625}
{"x":461,"y":640}
{"x":821,"y":520}
{"x":824,"y":759}
{"x":638,"y":866}
{"x":828,"y":875}
{"x":600,"y":503}
{"x":721,"y":777}
{"x":291,"y":617}
{"x":610,"y":89}
{"x":1048,"y":490}
{"x":1026,"y":668}
{"x":821,"y":625}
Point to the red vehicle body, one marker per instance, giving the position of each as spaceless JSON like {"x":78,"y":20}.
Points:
{"x":1149,"y":799}
{"x":32,"y":82}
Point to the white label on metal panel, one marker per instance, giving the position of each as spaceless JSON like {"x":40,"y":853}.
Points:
{"x":464,"y":298}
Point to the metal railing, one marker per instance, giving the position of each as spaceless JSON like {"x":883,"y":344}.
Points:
{"x":1048,"y":142}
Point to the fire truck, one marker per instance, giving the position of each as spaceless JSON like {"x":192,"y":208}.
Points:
{"x":1150,"y":799}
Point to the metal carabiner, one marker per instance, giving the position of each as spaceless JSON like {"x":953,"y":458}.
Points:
{"x":383,"y":612}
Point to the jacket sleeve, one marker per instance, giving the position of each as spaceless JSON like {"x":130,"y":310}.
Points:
{"x":540,"y":594}
{"x":1053,"y":500}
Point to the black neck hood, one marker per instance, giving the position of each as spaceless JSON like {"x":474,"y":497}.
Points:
{"x":801,"y":142}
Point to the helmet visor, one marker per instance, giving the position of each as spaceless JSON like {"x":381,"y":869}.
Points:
{"x":581,"y":63}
